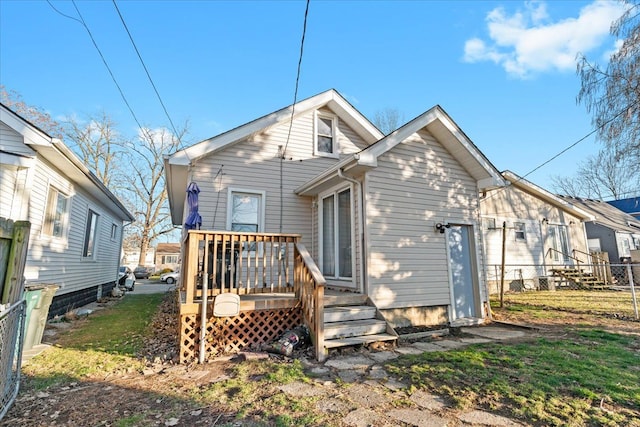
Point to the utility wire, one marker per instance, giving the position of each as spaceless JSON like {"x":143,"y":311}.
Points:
{"x":146,"y":70}
{"x":623,"y":111}
{"x":104,"y":61}
{"x":295,"y":94}
{"x":293,"y":109}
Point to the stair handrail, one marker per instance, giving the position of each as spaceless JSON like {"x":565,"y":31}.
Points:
{"x":309,"y":290}
{"x":601,"y":264}
{"x":590,"y":255}
{"x":571,"y":257}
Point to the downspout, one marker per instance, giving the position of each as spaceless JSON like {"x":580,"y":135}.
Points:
{"x":360,"y":224}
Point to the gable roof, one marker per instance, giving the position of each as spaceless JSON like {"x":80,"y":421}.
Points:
{"x":167,"y":248}
{"x":60,"y":156}
{"x":546,"y":196}
{"x":176,"y":164}
{"x":607,"y":215}
{"x":437,"y":122}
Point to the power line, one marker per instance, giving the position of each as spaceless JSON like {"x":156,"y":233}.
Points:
{"x":104,"y":61}
{"x":520,"y":178}
{"x":293,"y":109}
{"x":149,"y":76}
{"x":295,"y":94}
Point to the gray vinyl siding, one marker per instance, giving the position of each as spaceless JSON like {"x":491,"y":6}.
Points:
{"x":59,"y":260}
{"x":12,"y":142}
{"x":8,"y":179}
{"x":253,"y":164}
{"x":416,"y":184}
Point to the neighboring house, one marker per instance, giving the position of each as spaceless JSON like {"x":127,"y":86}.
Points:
{"x":392,"y":217}
{"x":167,"y":256}
{"x":630,"y":206}
{"x":76,"y":222}
{"x":611,"y":230}
{"x":131,"y":258}
{"x":543,"y":230}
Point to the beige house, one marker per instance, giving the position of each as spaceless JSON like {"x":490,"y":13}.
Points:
{"x":393,"y":218}
{"x":543,"y":231}
{"x":167,"y":256}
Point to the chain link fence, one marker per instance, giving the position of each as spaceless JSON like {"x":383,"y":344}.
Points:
{"x":604,"y":288}
{"x":11,"y":339}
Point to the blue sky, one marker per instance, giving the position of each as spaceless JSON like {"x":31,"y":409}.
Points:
{"x":504,"y":71}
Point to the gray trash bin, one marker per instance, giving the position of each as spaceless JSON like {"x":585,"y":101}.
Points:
{"x":38,"y":318}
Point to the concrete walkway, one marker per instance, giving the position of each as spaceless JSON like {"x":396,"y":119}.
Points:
{"x":376,"y":398}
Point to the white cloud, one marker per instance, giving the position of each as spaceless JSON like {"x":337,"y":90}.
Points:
{"x":528,"y":42}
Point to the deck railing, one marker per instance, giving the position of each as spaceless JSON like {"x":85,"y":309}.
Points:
{"x":240,"y":263}
{"x":310,"y":293}
{"x":249,"y":263}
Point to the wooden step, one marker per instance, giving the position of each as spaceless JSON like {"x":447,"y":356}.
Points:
{"x":354,"y":328}
{"x":364,"y":339}
{"x":332,"y":298}
{"x":347,"y":313}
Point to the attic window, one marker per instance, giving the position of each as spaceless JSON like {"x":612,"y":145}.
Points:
{"x":520,"y":231}
{"x":325,"y":141}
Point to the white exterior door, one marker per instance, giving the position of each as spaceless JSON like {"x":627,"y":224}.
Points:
{"x":559,"y":242}
{"x":463,"y":272}
{"x":336,"y":237}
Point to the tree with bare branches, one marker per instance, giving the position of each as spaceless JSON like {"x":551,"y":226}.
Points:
{"x":99,"y":145}
{"x":604,"y":176}
{"x":145,"y":193}
{"x":612,"y":94}
{"x":35,"y":115}
{"x":388,"y":120}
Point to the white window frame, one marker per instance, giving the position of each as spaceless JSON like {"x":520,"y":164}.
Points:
{"x":334,"y":192}
{"x":170,"y":259}
{"x":261,"y":211}
{"x":114,"y":231}
{"x":48,"y":223}
{"x":520,"y":228}
{"x":261,"y":214}
{"x":336,"y":149}
{"x":88,"y":231}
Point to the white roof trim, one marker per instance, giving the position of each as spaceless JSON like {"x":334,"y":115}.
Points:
{"x":368,"y":157}
{"x":433,"y":115}
{"x":548,"y":197}
{"x":54,"y":151}
{"x":331,"y":98}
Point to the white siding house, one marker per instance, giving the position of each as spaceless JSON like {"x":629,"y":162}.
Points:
{"x":543,"y":230}
{"x":76,"y":222}
{"x":393,"y":217}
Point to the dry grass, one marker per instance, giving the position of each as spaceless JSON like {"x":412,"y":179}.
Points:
{"x":606,"y":303}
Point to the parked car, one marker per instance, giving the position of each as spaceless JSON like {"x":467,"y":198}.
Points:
{"x":142,"y":272}
{"x":126,"y":278}
{"x":171,"y":277}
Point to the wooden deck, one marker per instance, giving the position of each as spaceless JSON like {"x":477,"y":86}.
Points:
{"x":279,"y":285}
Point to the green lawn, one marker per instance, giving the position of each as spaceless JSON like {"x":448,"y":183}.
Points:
{"x":591,"y":378}
{"x":107,"y":342}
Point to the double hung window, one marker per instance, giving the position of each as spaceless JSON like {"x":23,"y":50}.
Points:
{"x":325,"y":136}
{"x":56,"y":213}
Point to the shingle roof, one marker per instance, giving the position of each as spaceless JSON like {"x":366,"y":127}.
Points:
{"x":607,"y":215}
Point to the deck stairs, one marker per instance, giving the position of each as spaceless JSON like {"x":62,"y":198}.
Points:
{"x":577,"y":278}
{"x":352,"y":319}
